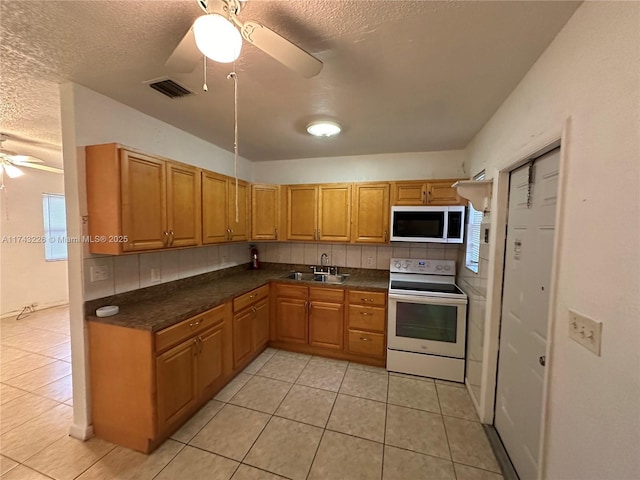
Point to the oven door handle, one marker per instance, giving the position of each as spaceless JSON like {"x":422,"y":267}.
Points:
{"x":429,"y":300}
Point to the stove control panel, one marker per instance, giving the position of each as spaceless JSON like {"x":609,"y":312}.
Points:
{"x":424,"y":266}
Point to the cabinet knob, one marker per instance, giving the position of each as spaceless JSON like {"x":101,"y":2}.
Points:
{"x":365,"y":313}
{"x":367,"y":300}
{"x":276,"y":232}
{"x":365,"y":339}
{"x":171,"y":234}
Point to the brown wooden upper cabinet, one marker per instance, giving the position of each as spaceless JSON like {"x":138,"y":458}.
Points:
{"x":423,"y":192}
{"x":219,"y":209}
{"x":370,"y":210}
{"x":140,"y":202}
{"x":265,"y":212}
{"x":319,"y":212}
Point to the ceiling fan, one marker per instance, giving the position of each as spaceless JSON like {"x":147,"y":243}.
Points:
{"x":11,"y":162}
{"x":218,"y":34}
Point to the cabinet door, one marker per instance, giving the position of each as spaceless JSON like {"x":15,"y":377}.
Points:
{"x":242,"y":341}
{"x":409,"y":193}
{"x":326,"y":325}
{"x":265,"y":212}
{"x":291,"y":320}
{"x":441,"y":193}
{"x":371,"y":213}
{"x":240,"y":229}
{"x":260,"y":324}
{"x":302,"y":212}
{"x":183,"y":205}
{"x":176,"y":382}
{"x":144,"y":201}
{"x":214,"y":208}
{"x":210,"y":360}
{"x":334,"y":213}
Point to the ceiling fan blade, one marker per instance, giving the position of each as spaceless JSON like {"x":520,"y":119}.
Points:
{"x":186,"y":55}
{"x":287,"y":53}
{"x":41,"y":167}
{"x":22,"y":159}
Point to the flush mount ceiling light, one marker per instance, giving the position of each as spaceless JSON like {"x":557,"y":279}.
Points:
{"x":217,"y":38}
{"x":324,"y":129}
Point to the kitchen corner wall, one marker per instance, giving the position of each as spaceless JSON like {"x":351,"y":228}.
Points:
{"x":475,"y":286}
{"x":353,"y":256}
{"x":130,"y":272}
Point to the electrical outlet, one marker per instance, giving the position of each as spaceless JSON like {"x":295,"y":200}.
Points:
{"x":99,"y":273}
{"x":155,"y":275}
{"x":279,"y":257}
{"x":369,"y":261}
{"x":585,"y":331}
{"x":223,"y":260}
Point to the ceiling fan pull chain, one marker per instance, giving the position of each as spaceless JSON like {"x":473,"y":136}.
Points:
{"x":204,"y":68}
{"x":234,"y":77}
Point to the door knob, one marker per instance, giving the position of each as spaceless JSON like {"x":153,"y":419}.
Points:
{"x":542,"y":360}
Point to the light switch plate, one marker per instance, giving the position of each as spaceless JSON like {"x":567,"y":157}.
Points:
{"x":99,"y":273}
{"x":585,"y":331}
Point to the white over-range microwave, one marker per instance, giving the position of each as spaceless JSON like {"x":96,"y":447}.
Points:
{"x":427,"y":224}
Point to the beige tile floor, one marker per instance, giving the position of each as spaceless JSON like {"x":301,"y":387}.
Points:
{"x":286,"y":416}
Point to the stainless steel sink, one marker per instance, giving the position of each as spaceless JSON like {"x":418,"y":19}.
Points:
{"x":318,"y":277}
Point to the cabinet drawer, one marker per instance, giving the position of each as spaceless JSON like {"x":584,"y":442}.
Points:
{"x":248,"y":298}
{"x":367,"y":318}
{"x":176,"y":333}
{"x":365,"y":343}
{"x":292,"y":291}
{"x":326,"y":294}
{"x":363,"y":297}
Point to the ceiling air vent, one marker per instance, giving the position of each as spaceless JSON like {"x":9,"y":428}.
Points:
{"x":170,"y":88}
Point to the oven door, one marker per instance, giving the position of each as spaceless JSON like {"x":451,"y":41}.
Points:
{"x":426,"y":324}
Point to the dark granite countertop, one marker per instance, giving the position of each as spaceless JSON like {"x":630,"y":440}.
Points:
{"x":161,"y":306}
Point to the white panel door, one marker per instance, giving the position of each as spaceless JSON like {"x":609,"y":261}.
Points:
{"x":525,"y":304}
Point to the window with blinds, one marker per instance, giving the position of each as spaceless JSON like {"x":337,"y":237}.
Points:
{"x":472,"y":257}
{"x":55,"y":227}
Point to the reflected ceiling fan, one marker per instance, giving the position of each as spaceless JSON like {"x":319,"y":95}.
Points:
{"x":11,"y":162}
{"x":218,"y":35}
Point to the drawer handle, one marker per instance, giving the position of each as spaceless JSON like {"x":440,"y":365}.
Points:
{"x":365,"y":313}
{"x":253,"y":296}
{"x":367,"y":299}
{"x":365,"y":339}
{"x":195,"y":324}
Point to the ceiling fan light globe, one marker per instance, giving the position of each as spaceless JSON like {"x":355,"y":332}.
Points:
{"x":12,"y":171}
{"x":217,"y":38}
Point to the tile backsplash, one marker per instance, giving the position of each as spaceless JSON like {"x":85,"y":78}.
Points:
{"x":130,"y":272}
{"x":353,"y":256}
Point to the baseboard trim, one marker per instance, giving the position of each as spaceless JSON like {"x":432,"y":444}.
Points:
{"x":81,"y":432}
{"x":508,"y":472}
{"x":40,"y":307}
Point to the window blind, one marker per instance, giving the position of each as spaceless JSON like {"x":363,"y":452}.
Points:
{"x":55,"y":227}
{"x":472,"y":257}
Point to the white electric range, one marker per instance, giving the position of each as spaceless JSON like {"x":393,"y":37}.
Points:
{"x":427,"y":319}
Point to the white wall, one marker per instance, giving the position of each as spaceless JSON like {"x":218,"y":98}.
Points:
{"x":26,"y":278}
{"x":591,"y":73}
{"x":363,"y":168}
{"x":100,"y":119}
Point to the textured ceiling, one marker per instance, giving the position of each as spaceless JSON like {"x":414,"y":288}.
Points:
{"x":401,"y":76}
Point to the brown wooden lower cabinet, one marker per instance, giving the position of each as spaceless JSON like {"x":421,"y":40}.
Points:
{"x":326,"y":324}
{"x":144,"y":385}
{"x":318,"y":320}
{"x":250,"y":325}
